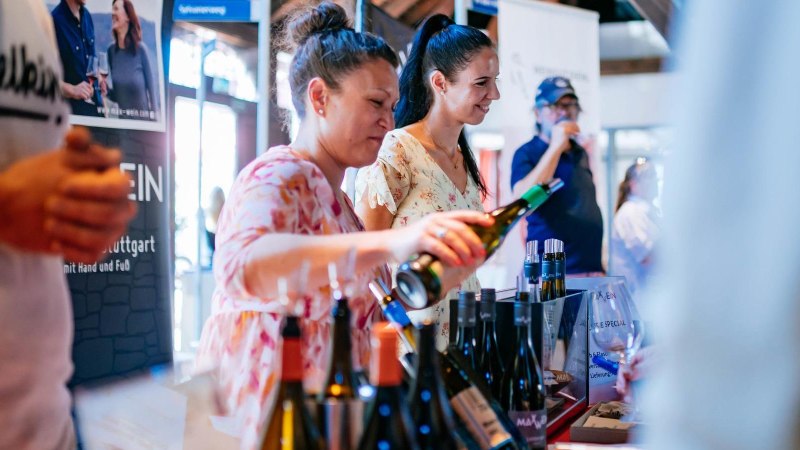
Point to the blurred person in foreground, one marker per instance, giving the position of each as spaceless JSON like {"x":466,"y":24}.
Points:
{"x":61,"y":197}
{"x":728,"y":312}
{"x":637,"y":225}
{"x":286,"y":207}
{"x":572,"y":214}
{"x":426,"y":164}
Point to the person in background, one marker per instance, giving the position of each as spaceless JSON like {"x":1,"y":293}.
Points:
{"x":572,"y":214}
{"x":61,"y":197}
{"x":75,"y":37}
{"x":636,"y":227}
{"x":286,"y":208}
{"x":133,"y":84}
{"x":216,"y":202}
{"x":426,"y":164}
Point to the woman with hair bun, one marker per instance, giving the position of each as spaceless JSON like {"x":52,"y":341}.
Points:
{"x":286,"y":207}
{"x":426,"y":164}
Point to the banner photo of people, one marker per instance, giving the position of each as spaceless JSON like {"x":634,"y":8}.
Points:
{"x":111,"y":56}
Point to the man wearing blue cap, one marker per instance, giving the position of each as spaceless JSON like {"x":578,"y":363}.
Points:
{"x":572,"y":214}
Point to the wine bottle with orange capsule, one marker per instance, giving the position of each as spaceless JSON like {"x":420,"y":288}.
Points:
{"x":388,"y":423}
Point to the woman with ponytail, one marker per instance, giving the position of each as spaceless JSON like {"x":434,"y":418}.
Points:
{"x":286,"y":208}
{"x":426,"y":164}
{"x":636,"y":226}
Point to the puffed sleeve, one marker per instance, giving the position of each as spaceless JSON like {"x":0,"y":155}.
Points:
{"x":269,"y":196}
{"x":386,"y":182}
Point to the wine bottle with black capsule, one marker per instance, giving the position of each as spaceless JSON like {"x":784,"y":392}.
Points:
{"x":434,"y":422}
{"x":290,"y":426}
{"x":490,"y":366}
{"x":465,"y":333}
{"x":420,"y":279}
{"x":338,"y":400}
{"x":523,"y":390}
{"x":388,"y":424}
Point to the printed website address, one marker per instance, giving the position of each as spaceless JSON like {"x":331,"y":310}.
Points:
{"x":204,"y":10}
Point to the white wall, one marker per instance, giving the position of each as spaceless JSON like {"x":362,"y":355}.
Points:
{"x":635,"y":100}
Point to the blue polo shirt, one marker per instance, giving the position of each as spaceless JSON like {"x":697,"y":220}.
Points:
{"x":75,"y":46}
{"x":571,"y":214}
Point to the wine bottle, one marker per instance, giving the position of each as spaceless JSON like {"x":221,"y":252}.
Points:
{"x":487,"y":426}
{"x":531,"y":265}
{"x":560,"y":282}
{"x":490,"y":364}
{"x":465,"y":334}
{"x":338,"y":400}
{"x":394,"y":312}
{"x":419,"y":280}
{"x":340,"y":380}
{"x":388,"y":422}
{"x":434,"y":423}
{"x":290,"y":426}
{"x":473,"y":408}
{"x":548,"y":271}
{"x":523,"y":391}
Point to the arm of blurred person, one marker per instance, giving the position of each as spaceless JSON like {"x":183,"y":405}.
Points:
{"x":638,"y":232}
{"x":80,"y":91}
{"x":71,"y":201}
{"x":277,"y":255}
{"x":545,"y":169}
{"x":639,"y":367}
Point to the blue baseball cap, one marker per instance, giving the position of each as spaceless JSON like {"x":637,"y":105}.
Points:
{"x":553,"y":88}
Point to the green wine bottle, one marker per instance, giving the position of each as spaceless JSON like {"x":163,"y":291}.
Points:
{"x":419,"y":280}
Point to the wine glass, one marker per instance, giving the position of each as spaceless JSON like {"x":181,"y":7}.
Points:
{"x":616,"y":325}
{"x":91,"y":74}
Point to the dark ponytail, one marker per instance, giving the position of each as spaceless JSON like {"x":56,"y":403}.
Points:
{"x":440,"y":45}
{"x":328,"y":47}
{"x":631,"y":174}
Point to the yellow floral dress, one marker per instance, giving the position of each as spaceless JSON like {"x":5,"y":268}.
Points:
{"x":279,"y":192}
{"x":410,"y":184}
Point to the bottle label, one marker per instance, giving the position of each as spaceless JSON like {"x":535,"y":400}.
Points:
{"x":560,"y":273}
{"x":532,"y":425}
{"x":480,"y":419}
{"x":395,"y":313}
{"x":548,"y":270}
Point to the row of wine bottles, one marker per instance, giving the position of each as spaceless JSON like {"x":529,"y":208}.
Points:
{"x":442,"y":409}
{"x":518,"y":384}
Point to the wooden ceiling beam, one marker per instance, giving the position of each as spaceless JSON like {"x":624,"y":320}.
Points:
{"x":425,"y":8}
{"x":657,"y":12}
{"x":397,"y":8}
{"x":631,"y":66}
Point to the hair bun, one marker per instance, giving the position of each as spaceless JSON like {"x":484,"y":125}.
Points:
{"x":327,"y":16}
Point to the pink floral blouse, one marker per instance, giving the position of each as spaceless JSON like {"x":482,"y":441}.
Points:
{"x":410,"y":184}
{"x":279,"y":192}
